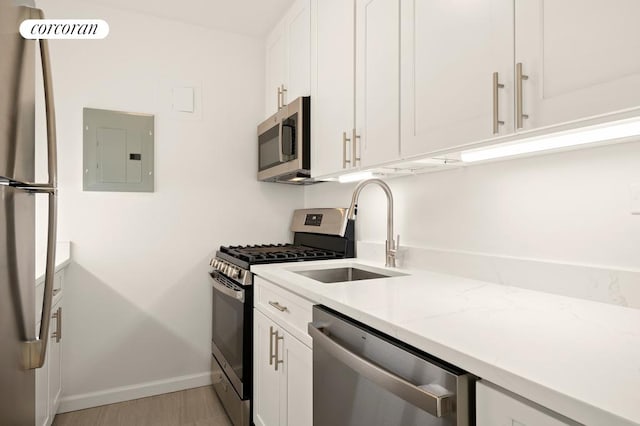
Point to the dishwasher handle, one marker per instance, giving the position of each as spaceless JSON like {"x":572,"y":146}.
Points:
{"x":436,"y":405}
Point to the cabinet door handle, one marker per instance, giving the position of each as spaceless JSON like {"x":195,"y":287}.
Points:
{"x":273,"y":355}
{"x":345,"y":139}
{"x":271,"y":334}
{"x":278,"y":361}
{"x":520,"y":115}
{"x":355,"y":138}
{"x":57,"y":315}
{"x":282,"y":92}
{"x":278,"y":306}
{"x":279,"y":98}
{"x":496,"y":111}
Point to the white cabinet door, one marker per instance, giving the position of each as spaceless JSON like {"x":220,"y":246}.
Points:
{"x":332,"y":88}
{"x":496,"y":408}
{"x":42,"y":392}
{"x":298,"y":374}
{"x":55,"y":359}
{"x":276,"y":68}
{"x":298,"y":22}
{"x":288,"y":58}
{"x":266,"y":380}
{"x":580,"y":56}
{"x":449,"y":54}
{"x":377,"y":81}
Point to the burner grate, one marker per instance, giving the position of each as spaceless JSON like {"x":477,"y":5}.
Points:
{"x":270,"y":253}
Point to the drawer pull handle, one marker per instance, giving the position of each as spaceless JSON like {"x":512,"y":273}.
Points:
{"x":278,"y":306}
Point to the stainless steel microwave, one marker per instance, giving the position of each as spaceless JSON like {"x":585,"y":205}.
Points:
{"x":283,"y":144}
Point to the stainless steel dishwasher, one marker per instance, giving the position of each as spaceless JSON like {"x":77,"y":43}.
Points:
{"x":362,"y":377}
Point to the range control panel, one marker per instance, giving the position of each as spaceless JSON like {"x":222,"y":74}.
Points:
{"x":313,"y":220}
{"x":330,"y":221}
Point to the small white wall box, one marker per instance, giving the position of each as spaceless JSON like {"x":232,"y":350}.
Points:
{"x":117,"y":151}
{"x":182,"y":99}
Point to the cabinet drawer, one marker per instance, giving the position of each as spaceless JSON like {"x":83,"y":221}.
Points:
{"x":496,"y":406}
{"x":58,"y":280}
{"x":291,"y":311}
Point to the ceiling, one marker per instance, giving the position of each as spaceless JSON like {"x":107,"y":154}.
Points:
{"x":249,"y":17}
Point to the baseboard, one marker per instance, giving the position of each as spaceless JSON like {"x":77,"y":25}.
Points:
{"x":126,"y":393}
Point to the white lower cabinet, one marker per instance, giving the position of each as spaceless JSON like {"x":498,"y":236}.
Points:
{"x":282,"y":371}
{"x":497,"y":407}
{"x":49,"y":376}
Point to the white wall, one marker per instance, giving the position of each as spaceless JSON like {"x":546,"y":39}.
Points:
{"x":571,"y":208}
{"x":137,"y":295}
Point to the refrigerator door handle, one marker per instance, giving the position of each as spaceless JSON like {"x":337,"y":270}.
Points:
{"x":35,"y":351}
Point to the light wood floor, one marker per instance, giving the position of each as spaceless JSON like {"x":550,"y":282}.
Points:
{"x":192,"y":407}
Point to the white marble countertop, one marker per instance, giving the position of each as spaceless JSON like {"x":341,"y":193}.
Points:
{"x":63,"y":257}
{"x":576,"y":357}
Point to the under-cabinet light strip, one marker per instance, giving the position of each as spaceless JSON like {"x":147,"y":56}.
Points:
{"x":353,"y":177}
{"x":580,"y":137}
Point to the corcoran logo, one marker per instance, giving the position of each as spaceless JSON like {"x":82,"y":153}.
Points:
{"x":74,"y":29}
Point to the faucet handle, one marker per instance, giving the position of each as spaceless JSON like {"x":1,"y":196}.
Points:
{"x":397,"y":243}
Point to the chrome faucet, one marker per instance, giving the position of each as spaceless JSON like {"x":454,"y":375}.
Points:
{"x":391,"y":245}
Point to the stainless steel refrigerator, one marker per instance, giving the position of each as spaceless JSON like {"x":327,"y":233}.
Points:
{"x":22,"y":347}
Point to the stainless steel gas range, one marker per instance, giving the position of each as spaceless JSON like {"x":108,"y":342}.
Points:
{"x":319,"y":234}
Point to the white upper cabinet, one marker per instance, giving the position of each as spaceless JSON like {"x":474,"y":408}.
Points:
{"x":332,"y":91}
{"x":298,"y":24}
{"x":582,"y":58}
{"x":450,"y":52}
{"x":377,"y":135}
{"x":276,"y":69}
{"x":288,"y":58}
{"x":396,"y":79}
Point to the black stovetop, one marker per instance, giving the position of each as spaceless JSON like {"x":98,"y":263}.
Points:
{"x":272,"y":253}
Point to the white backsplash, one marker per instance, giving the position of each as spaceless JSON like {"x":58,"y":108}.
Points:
{"x":617,"y":287}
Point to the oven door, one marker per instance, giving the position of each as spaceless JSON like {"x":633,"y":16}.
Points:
{"x":231,"y":341}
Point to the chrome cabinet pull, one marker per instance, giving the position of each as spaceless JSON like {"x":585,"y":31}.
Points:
{"x":57,"y":315}
{"x":279,"y":99}
{"x":282,"y":92}
{"x":355,"y":139}
{"x":273,"y":355}
{"x":278,"y":306}
{"x":436,"y":405}
{"x":278,"y":361}
{"x":345,"y":139}
{"x":271,"y":334}
{"x":520,"y":115}
{"x":496,"y":111}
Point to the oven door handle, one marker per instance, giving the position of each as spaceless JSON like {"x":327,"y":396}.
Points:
{"x":436,"y":405}
{"x":235,"y":294}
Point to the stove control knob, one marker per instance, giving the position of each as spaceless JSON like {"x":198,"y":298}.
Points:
{"x":234,"y":272}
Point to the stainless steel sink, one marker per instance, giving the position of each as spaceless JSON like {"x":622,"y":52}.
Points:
{"x":345,"y":274}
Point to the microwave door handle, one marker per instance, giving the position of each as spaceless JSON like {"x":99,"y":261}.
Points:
{"x":280,"y":146}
